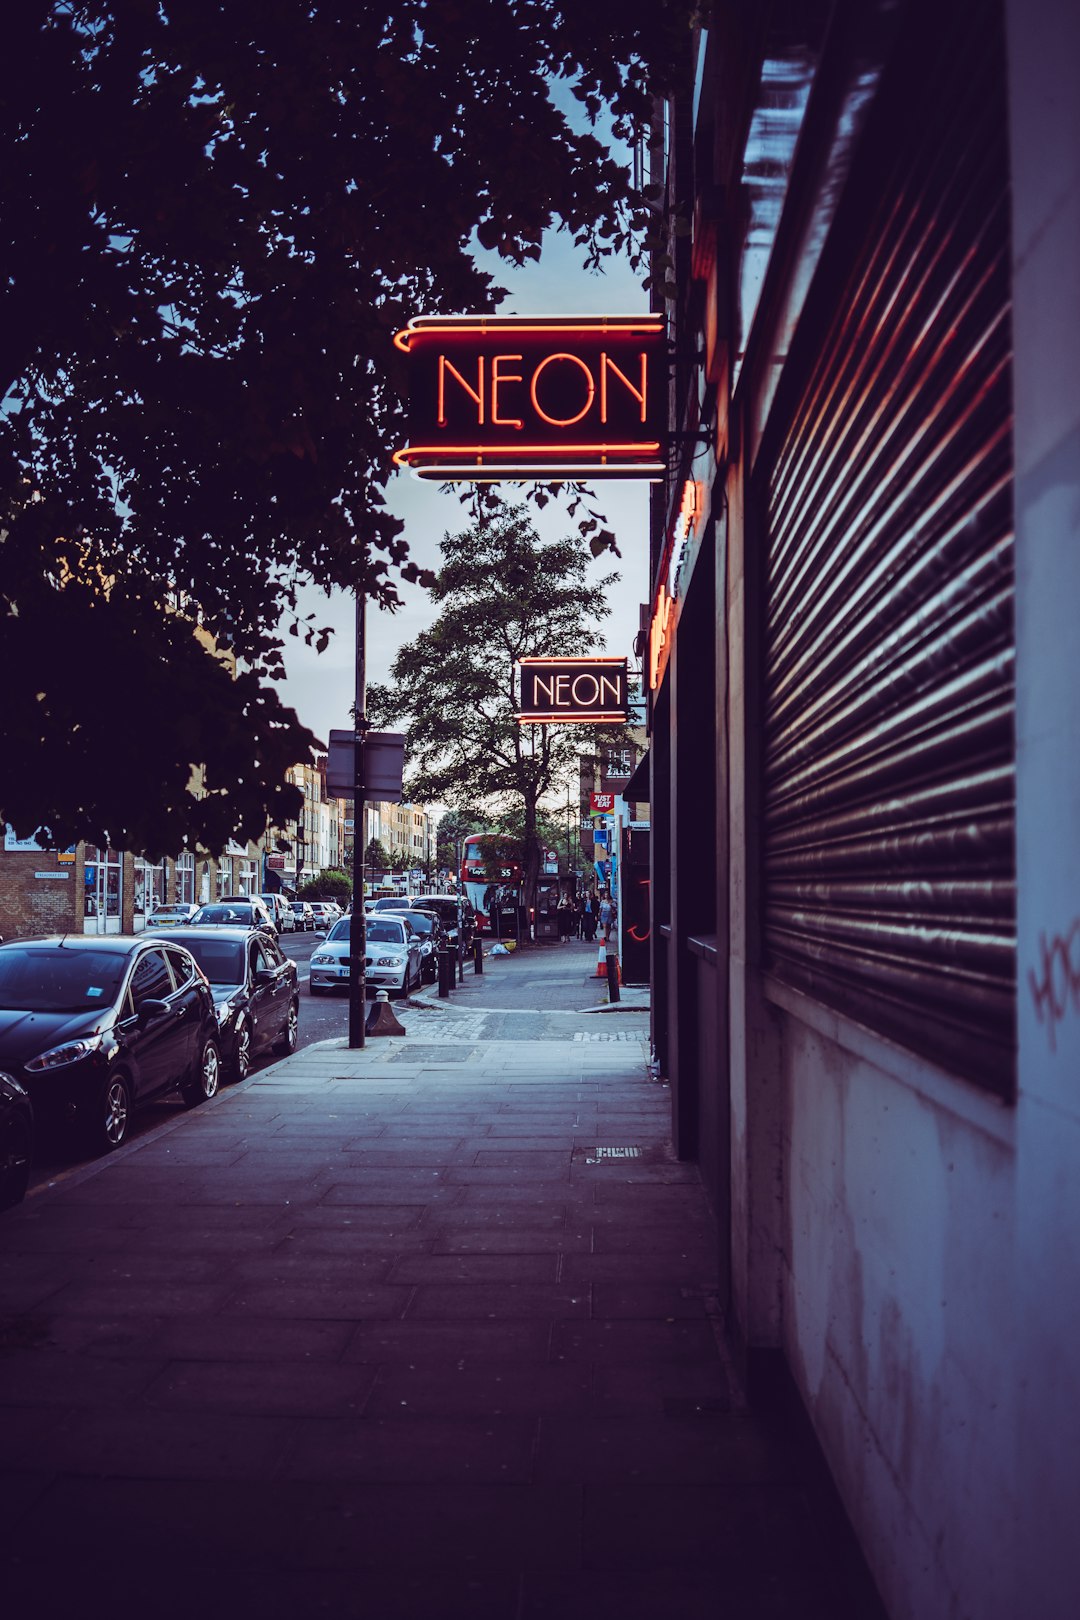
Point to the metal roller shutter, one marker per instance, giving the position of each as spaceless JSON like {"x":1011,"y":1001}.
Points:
{"x":889,"y":756}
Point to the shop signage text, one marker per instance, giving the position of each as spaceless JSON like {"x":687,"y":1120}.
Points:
{"x":573,"y":691}
{"x":512,"y":397}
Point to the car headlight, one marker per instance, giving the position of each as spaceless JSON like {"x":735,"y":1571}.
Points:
{"x":58,"y":1056}
{"x":322,"y":960}
{"x":224,"y":1010}
{"x":388,"y":961}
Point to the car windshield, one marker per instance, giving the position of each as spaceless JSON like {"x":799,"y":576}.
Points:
{"x":422,"y":923}
{"x":384,"y":931}
{"x":55,"y":978}
{"x":222,"y":960}
{"x":169,"y":911}
{"x":340,"y":930}
{"x":223,"y":914}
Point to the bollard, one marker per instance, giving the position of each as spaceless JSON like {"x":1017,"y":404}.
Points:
{"x":460,"y":954}
{"x":446,"y":972}
{"x":612,"y":976}
{"x":477,"y":956}
{"x":382,"y":1020}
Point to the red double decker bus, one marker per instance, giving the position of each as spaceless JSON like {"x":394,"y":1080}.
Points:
{"x":491,"y":874}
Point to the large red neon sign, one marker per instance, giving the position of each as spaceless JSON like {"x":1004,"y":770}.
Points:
{"x":509,"y":397}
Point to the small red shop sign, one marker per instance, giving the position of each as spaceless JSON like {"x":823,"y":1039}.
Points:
{"x":518,"y":397}
{"x":602,"y":804}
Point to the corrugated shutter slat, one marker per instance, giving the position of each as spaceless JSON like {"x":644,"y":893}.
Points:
{"x":889,"y":752}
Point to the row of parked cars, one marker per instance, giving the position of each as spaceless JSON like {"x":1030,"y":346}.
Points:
{"x":271,"y":911}
{"x":91,"y":1027}
{"x":403,"y":938}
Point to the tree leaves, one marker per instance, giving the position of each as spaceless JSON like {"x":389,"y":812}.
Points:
{"x":505,"y":595}
{"x":212,"y":220}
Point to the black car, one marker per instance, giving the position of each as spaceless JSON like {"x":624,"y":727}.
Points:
{"x":255,"y":988}
{"x":450,"y":911}
{"x":433,"y":939}
{"x":16,"y":1140}
{"x":91,"y":1026}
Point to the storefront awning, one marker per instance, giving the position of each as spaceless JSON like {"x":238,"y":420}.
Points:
{"x":636,"y":790}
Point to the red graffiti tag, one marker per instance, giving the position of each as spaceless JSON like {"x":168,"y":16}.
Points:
{"x":635,"y":932}
{"x":1059,"y":984}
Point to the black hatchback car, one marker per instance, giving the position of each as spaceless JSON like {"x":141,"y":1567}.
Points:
{"x":91,"y":1026}
{"x":255,"y":988}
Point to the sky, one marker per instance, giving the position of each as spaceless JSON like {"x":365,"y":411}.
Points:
{"x":320,"y":686}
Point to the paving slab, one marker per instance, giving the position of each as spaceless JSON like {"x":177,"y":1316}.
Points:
{"x":380,"y":1334}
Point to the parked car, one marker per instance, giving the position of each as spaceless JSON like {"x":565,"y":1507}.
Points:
{"x":237,"y":911}
{"x":303,"y":916}
{"x":391,"y":960}
{"x":433,"y":939}
{"x":280,"y":912}
{"x":321,"y":912}
{"x":16,"y":1140}
{"x":92,"y":1026}
{"x":255,"y":988}
{"x":450,"y":910}
{"x":170,"y":916}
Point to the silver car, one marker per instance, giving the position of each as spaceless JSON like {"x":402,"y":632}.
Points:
{"x":391,"y":962}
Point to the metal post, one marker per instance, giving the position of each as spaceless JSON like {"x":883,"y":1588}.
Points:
{"x":478,"y":955}
{"x":611,"y":964}
{"x":357,"y":926}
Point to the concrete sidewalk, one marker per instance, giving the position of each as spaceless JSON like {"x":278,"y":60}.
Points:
{"x":422,"y":1332}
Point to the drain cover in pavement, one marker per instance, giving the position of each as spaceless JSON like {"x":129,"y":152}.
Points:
{"x":416,"y":1052}
{"x":601,"y":1154}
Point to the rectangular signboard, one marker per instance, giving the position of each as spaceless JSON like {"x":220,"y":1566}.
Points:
{"x":384,"y":755}
{"x":519,"y":397}
{"x":572,"y":691}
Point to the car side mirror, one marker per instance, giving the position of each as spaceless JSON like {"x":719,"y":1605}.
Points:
{"x":264,"y":976}
{"x":152,"y":1008}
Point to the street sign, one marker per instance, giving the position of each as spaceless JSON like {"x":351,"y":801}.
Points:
{"x":384,"y":758}
{"x":602,"y":804}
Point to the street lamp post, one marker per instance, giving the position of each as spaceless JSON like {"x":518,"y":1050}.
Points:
{"x":357,"y":924}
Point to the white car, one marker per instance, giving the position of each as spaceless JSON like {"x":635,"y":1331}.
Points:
{"x":391,"y":961}
{"x":281,"y":912}
{"x":170,"y":916}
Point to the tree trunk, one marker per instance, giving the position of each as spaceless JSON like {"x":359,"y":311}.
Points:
{"x":531,"y":860}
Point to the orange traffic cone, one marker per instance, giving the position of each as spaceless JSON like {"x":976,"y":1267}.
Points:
{"x":601,"y":962}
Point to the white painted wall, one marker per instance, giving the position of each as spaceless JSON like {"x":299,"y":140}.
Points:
{"x":898,"y":1317}
{"x":1044,"y":56}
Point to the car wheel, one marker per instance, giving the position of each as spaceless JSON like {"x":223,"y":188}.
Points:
{"x":107,"y":1126}
{"x":205,"y":1077}
{"x":291,"y":1032}
{"x":241,"y":1059}
{"x":16,"y":1150}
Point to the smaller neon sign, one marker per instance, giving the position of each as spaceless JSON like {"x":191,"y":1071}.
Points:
{"x":573,"y":691}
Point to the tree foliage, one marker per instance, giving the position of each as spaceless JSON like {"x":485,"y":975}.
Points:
{"x":212,"y":220}
{"x":377,"y":856}
{"x":331,"y":884}
{"x":503,"y":594}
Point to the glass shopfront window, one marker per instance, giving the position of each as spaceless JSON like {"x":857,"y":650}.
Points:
{"x":102,"y":891}
{"x":185,"y":879}
{"x":247,"y":876}
{"x":149,"y":889}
